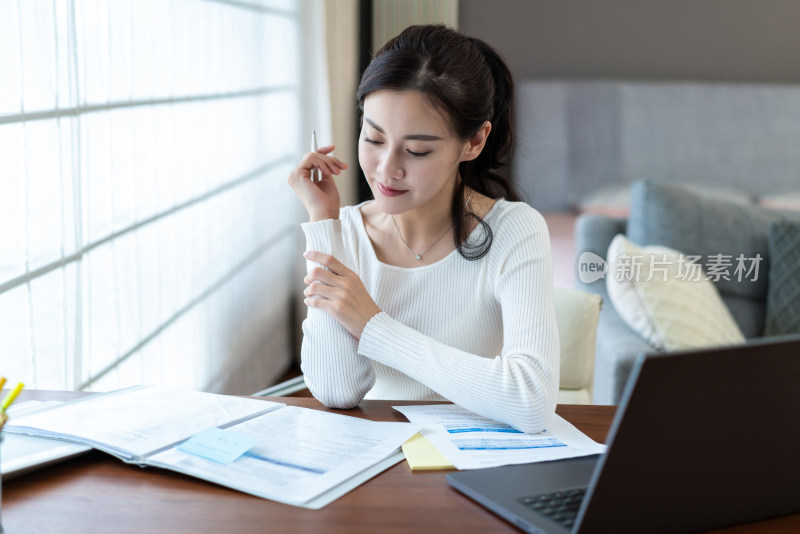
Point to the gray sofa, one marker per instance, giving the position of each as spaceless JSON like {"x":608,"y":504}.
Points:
{"x":692,"y":223}
{"x":582,"y":143}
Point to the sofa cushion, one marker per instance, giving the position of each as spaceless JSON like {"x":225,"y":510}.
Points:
{"x":665,"y":299}
{"x":730,"y":239}
{"x":577,"y":313}
{"x":783,"y":296}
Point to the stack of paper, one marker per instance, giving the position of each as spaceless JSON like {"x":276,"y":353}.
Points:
{"x":21,"y":454}
{"x":293,"y":455}
{"x":459,"y":438}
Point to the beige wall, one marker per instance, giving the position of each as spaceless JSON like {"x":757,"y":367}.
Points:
{"x":341,"y":39}
{"x":390,"y":17}
{"x":738,"y":40}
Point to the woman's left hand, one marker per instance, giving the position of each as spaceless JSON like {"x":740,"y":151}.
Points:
{"x":342,"y":293}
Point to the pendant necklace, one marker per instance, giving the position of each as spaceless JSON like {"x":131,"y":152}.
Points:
{"x":419,"y":256}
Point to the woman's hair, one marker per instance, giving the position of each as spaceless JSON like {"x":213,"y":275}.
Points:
{"x":468,"y":82}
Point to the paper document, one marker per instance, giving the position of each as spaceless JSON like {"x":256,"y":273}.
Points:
{"x":134,"y":422}
{"x":21,"y":454}
{"x":294,"y":455}
{"x":474,"y":442}
{"x":300,"y":453}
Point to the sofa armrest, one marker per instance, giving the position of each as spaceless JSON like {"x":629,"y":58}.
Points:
{"x":617,"y":345}
{"x":616,"y":351}
{"x":593,"y":233}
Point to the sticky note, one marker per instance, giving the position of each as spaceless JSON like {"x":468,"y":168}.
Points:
{"x":422,"y":455}
{"x":221,"y":446}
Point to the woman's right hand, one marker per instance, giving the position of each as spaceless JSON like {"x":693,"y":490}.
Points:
{"x":320,"y":198}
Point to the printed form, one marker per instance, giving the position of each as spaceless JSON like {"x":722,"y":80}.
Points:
{"x":470,"y":441}
{"x":300,"y":454}
{"x":133,"y":422}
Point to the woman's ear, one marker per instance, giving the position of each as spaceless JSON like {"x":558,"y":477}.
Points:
{"x":475,"y":145}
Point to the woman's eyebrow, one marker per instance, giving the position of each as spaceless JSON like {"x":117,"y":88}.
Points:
{"x":412,"y":137}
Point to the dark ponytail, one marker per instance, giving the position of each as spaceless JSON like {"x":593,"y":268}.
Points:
{"x":470,"y":84}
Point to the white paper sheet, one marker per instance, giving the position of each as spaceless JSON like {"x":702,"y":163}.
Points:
{"x":474,"y":442}
{"x":21,"y":454}
{"x":137,"y":421}
{"x":301,"y":454}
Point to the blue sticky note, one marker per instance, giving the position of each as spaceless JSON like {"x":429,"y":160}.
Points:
{"x":221,"y":446}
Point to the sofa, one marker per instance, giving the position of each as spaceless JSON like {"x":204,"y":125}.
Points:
{"x":582,"y":143}
{"x":700,"y":225}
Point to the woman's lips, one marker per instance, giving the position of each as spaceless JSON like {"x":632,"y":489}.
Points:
{"x":388,"y":191}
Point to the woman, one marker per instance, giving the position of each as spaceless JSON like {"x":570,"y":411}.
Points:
{"x":437,"y":289}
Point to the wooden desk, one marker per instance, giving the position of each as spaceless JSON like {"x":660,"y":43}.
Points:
{"x":97,"y":493}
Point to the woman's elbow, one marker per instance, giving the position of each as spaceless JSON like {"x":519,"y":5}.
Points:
{"x":337,"y":401}
{"x":338,"y":395}
{"x":535,"y":420}
{"x":538,"y":396}
{"x":539,"y":406}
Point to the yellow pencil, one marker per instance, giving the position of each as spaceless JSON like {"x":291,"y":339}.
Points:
{"x":11,"y":397}
{"x":2,"y":381}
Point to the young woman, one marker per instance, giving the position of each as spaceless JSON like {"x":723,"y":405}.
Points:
{"x":440,"y":288}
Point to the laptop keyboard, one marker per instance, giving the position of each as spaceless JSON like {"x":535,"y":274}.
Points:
{"x":560,"y":506}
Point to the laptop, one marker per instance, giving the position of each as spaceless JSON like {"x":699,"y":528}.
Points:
{"x":702,"y":439}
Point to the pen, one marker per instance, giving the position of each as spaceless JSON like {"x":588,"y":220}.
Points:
{"x":11,"y":397}
{"x":314,"y":172}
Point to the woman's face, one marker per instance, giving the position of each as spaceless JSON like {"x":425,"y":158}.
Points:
{"x":407,"y":152}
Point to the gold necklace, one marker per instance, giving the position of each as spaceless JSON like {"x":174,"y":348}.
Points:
{"x":419,"y":256}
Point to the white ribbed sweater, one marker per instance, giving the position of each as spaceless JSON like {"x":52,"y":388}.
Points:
{"x":481,"y":334}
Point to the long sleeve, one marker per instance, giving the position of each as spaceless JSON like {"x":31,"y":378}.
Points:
{"x":519,"y":385}
{"x":334,"y":371}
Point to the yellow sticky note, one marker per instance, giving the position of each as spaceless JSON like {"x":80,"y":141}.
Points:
{"x":421,"y":455}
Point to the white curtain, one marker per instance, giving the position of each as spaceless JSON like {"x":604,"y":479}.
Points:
{"x":147,"y":234}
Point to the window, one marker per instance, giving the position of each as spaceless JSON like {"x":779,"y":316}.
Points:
{"x":147,"y":234}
